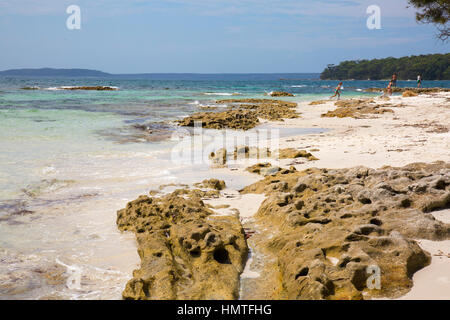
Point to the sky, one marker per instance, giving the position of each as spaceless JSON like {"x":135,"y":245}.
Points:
{"x":207,"y":36}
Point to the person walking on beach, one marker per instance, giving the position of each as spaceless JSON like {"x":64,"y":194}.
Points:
{"x":337,"y":91}
{"x":419,"y":81}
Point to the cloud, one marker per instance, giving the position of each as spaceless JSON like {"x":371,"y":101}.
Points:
{"x":341,"y":8}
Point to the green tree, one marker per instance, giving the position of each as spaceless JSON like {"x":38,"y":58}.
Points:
{"x":436,"y":12}
{"x":431,"y":67}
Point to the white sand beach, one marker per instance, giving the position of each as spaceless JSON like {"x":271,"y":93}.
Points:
{"x":417,"y":131}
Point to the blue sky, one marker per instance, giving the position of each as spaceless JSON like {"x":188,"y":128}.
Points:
{"x":207,"y":36}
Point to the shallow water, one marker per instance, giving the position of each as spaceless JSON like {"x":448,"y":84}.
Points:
{"x":70,"y":159}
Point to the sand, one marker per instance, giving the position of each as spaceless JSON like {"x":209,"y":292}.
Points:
{"x":433,"y":282}
{"x":390,"y":139}
{"x":417,"y":131}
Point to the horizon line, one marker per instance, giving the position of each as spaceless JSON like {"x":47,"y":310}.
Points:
{"x":143,"y":73}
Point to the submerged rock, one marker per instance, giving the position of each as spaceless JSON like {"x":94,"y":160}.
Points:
{"x":30,"y":88}
{"x":95,"y":88}
{"x":140,"y":133}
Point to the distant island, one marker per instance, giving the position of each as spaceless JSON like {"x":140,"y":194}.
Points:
{"x":71,"y":73}
{"x":50,"y":72}
{"x":430,"y":67}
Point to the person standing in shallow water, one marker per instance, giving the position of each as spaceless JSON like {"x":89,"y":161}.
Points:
{"x":337,"y":91}
{"x":419,"y":81}
{"x":394,"y":80}
{"x":388,"y":91}
{"x":389,"y":88}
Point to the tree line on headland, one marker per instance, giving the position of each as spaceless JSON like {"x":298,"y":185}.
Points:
{"x":430,"y":67}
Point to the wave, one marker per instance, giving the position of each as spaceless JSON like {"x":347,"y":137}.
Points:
{"x":299,"y":86}
{"x":45,"y":186}
{"x":221,"y":94}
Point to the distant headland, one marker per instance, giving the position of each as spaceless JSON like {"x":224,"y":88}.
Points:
{"x":430,"y":67}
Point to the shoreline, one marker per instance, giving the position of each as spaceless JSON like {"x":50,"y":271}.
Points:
{"x":404,"y":136}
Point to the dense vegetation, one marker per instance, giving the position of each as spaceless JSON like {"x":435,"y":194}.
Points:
{"x":430,"y":67}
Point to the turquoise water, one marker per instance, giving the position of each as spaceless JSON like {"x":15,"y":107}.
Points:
{"x":70,"y":159}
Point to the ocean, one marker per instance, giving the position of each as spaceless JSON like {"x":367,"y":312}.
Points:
{"x":70,"y":159}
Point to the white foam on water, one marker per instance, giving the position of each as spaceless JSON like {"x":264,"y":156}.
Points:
{"x":248,"y":273}
{"x":221,"y":94}
{"x":74,"y":87}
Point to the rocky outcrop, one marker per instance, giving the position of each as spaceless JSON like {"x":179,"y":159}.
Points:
{"x":214,"y":184}
{"x":95,"y":88}
{"x":280,"y":94}
{"x":291,"y":153}
{"x":356,"y":108}
{"x":264,"y":169}
{"x":139,"y":133}
{"x":231,"y":119}
{"x":242,"y":114}
{"x":318,"y":102}
{"x":328,"y":229}
{"x":409,"y":93}
{"x":325,"y":232}
{"x":221,"y":156}
{"x":186,"y":252}
{"x":30,"y":88}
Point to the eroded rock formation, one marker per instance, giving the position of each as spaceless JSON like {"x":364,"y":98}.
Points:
{"x":221,"y":156}
{"x":186,"y":252}
{"x":280,"y":94}
{"x":356,"y":108}
{"x":243,"y":114}
{"x":326,"y":227}
{"x":320,"y":232}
